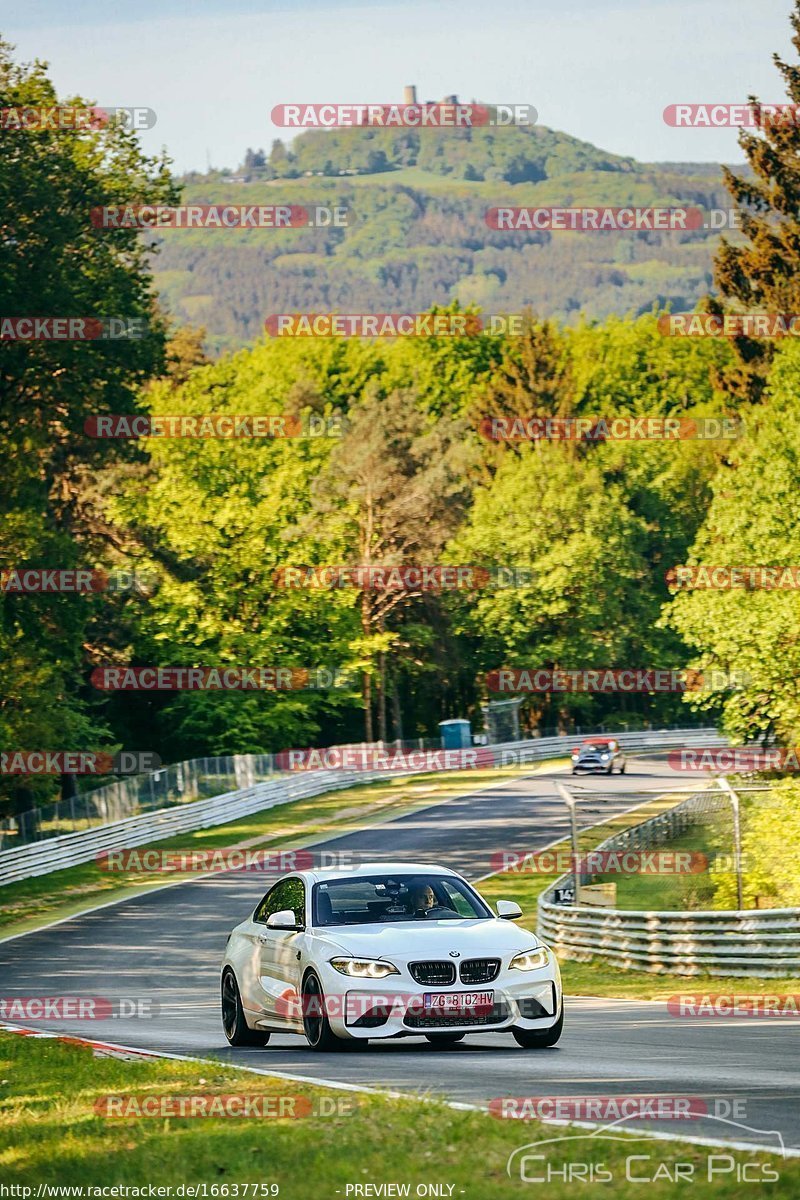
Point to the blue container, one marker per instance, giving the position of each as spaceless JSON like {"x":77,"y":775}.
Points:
{"x":455,"y":734}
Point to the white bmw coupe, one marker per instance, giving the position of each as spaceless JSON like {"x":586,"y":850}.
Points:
{"x":384,"y":951}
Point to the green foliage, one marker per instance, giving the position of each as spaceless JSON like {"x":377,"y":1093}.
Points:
{"x":54,"y":263}
{"x":752,"y":521}
{"x":418,"y":237}
{"x":515,"y":154}
{"x":409,"y":480}
{"x":770,"y":847}
{"x":550,"y":511}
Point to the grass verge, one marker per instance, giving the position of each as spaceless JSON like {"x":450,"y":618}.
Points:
{"x":52,"y":1134}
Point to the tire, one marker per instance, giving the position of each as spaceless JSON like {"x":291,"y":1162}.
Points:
{"x":610,"y":770}
{"x":316,"y":1025}
{"x":443,"y":1040}
{"x":622,"y":769}
{"x":540,"y":1039}
{"x":237,"y":1031}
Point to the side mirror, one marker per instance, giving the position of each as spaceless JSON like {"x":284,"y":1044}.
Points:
{"x":285,"y":919}
{"x":507,"y":910}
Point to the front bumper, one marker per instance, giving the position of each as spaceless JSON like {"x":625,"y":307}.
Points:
{"x":394,"y":1007}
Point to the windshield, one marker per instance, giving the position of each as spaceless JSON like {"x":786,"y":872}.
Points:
{"x":591,"y":748}
{"x":382,"y":899}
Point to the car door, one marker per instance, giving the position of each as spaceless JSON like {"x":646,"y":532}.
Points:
{"x":279,"y":950}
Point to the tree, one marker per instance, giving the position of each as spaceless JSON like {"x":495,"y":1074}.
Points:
{"x":533,"y":379}
{"x":625,"y":367}
{"x":280,"y":158}
{"x":53,"y":262}
{"x":752,"y":521}
{"x":770,"y":845}
{"x":254,"y":160}
{"x":217,"y":519}
{"x":392,"y":493}
{"x":763,"y":274}
{"x":558,"y":517}
{"x":185,"y":352}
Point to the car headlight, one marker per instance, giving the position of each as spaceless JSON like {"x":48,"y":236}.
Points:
{"x":604,"y":756}
{"x":363,"y":968}
{"x":530,"y":960}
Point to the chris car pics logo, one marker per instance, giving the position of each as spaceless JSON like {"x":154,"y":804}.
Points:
{"x":601,"y":1157}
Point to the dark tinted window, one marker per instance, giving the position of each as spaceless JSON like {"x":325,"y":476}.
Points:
{"x":383,"y":899}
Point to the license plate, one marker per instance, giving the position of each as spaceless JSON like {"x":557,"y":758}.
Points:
{"x":458,"y":1002}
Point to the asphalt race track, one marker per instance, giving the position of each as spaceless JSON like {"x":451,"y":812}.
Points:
{"x":166,"y":946}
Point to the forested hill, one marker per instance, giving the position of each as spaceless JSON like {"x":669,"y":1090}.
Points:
{"x":419,"y":234}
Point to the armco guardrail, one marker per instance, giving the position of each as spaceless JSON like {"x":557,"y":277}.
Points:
{"x":71,"y":849}
{"x":132,"y":795}
{"x":758,"y":942}
{"x":183,"y":783}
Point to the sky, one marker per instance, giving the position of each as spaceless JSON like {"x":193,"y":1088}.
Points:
{"x":602,"y":72}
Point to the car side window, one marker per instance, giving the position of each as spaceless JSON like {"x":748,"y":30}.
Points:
{"x":288,"y":893}
{"x":458,"y":901}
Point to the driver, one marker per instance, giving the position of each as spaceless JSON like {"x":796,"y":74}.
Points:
{"x":424,"y":903}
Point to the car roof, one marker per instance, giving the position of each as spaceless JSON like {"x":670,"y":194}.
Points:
{"x":374,"y":868}
{"x":589,"y":741}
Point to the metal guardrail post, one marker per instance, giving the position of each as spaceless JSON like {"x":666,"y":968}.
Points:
{"x":570,"y":802}
{"x":737,"y":840}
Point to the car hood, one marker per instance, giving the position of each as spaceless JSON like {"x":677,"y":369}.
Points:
{"x":434,"y":939}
